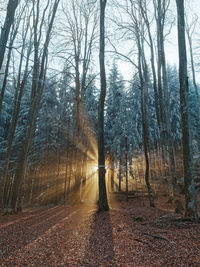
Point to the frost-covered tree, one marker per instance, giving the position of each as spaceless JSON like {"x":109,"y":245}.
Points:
{"x":115,"y":109}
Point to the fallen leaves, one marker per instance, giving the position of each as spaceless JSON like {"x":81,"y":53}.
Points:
{"x":130,"y":234}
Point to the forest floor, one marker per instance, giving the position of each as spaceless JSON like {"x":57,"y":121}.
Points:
{"x":130,"y":234}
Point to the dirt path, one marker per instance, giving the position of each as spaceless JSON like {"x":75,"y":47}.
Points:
{"x":130,"y":234}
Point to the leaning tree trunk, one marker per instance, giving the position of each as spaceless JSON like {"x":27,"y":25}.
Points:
{"x":102,"y":203}
{"x":5,"y":30}
{"x":6,"y":71}
{"x":190,"y":194}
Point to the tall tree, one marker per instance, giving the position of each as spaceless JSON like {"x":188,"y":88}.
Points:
{"x":190,"y":194}
{"x":102,"y":203}
{"x":161,"y":8}
{"x":143,"y":75}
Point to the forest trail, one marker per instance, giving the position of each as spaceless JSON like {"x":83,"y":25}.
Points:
{"x":130,"y":234}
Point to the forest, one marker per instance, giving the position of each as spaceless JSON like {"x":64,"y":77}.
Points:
{"x":99,"y":133}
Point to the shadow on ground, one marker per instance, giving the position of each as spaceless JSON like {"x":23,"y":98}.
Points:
{"x":100,"y":250}
{"x":28,"y":226}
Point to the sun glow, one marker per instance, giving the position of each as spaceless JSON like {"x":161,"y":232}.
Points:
{"x":72,"y":178}
{"x":96,"y":168}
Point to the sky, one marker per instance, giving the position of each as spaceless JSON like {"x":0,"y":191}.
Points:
{"x":171,"y":46}
{"x":171,"y":43}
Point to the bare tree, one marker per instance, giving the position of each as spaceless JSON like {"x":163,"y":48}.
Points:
{"x":144,"y":13}
{"x":144,"y":83}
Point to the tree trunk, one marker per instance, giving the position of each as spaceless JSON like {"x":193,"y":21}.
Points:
{"x":84,"y":171}
{"x":193,"y":73}
{"x":112,"y":171}
{"x":120,"y":171}
{"x":143,"y":8}
{"x":126,"y":160}
{"x":102,"y":203}
{"x":3,"y":88}
{"x":12,"y":5}
{"x":190,"y":194}
{"x":65,"y":180}
{"x":69,"y":174}
{"x":145,"y":140}
{"x":143,"y":75}
{"x":165,"y":129}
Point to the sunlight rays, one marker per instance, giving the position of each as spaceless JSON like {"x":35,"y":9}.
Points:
{"x":74,"y":177}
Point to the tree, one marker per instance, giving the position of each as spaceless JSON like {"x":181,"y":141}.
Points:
{"x":161,"y":8}
{"x":144,"y":13}
{"x":38,"y":80}
{"x":189,"y":32}
{"x":12,"y":5}
{"x":20,"y":84}
{"x":114,"y":119}
{"x":143,"y":75}
{"x":80,"y":30}
{"x":16,"y":25}
{"x":190,"y":194}
{"x":102,"y":203}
